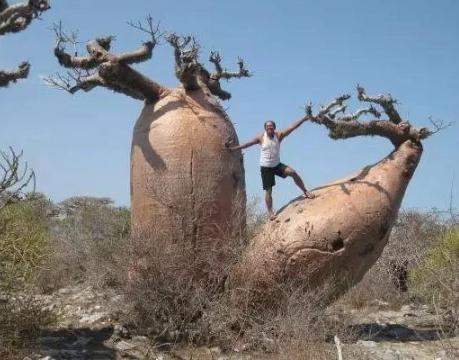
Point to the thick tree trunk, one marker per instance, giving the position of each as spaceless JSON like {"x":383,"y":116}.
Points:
{"x":330,"y":241}
{"x":185,"y":186}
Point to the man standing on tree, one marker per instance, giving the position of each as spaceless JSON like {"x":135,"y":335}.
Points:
{"x":270,"y":164}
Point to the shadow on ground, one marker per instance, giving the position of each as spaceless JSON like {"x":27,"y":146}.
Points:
{"x":397,"y":333}
{"x":81,"y":343}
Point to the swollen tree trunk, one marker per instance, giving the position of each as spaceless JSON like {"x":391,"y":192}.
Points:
{"x":184,"y":183}
{"x":328,"y":243}
{"x":187,"y":190}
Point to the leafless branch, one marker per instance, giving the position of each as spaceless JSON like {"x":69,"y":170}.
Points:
{"x":75,"y":80}
{"x":339,"y":350}
{"x":355,"y":116}
{"x":186,"y":51}
{"x":385,"y":101}
{"x":438,"y":125}
{"x":151,"y":28}
{"x":339,"y":101}
{"x":103,"y":68}
{"x":193,"y":75}
{"x":343,"y":126}
{"x":144,"y":52}
{"x":6,"y":77}
{"x":216,"y":59}
{"x":15,"y":18}
{"x":14,"y":177}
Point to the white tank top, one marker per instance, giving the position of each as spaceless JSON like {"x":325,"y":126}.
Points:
{"x":270,"y":151}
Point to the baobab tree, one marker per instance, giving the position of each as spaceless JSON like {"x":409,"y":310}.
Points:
{"x":13,"y":19}
{"x":331,"y":242}
{"x":185,"y":186}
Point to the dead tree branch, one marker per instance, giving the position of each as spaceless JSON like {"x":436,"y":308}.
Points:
{"x":6,"y":77}
{"x":343,"y":126}
{"x":103,"y":68}
{"x":15,"y":18}
{"x":14,"y":177}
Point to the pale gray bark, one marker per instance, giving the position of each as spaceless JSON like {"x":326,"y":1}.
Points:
{"x":104,"y":68}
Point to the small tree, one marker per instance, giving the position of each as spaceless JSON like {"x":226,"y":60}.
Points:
{"x":14,"y":177}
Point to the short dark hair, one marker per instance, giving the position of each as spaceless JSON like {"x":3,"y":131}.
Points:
{"x":270,"y":121}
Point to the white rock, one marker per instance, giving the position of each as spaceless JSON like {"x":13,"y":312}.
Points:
{"x":89,"y":319}
{"x":124,"y":345}
{"x":367,"y":343}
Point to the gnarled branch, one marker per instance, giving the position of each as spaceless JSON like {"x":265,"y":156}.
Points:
{"x":14,"y":177}
{"x":15,"y":18}
{"x":349,"y":125}
{"x":215,"y":58}
{"x":193,"y":75}
{"x":103,"y":68}
{"x":385,"y":101}
{"x":21,"y":72}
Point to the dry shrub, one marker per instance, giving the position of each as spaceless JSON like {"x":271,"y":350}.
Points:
{"x":87,"y":243}
{"x":173,"y":285}
{"x":22,"y":317}
{"x":412,"y":236}
{"x":179,"y":295}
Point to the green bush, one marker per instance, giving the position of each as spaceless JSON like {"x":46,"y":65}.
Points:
{"x":434,"y":279}
{"x":24,"y":248}
{"x":24,"y":238}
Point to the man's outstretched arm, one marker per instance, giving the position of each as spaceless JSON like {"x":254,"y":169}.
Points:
{"x":244,"y":146}
{"x":294,"y":126}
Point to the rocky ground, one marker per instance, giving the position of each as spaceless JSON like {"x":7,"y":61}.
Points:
{"x":89,"y":328}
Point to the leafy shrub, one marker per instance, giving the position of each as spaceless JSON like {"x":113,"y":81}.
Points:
{"x":434,"y":280}
{"x":24,"y":238}
{"x":24,"y":241}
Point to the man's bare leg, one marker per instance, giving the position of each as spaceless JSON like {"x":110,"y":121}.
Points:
{"x":298,"y":181}
{"x":269,"y":203}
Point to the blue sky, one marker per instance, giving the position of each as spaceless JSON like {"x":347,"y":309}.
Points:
{"x":297,"y":50}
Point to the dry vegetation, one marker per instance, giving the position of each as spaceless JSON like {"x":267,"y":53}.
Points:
{"x":44,"y":246}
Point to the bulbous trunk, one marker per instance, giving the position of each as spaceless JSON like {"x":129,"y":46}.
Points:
{"x":332,"y":240}
{"x":185,"y":186}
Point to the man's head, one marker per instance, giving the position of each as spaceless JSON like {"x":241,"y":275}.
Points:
{"x":270,"y":127}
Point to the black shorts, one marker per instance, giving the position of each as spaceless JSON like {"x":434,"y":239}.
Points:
{"x":267,"y":175}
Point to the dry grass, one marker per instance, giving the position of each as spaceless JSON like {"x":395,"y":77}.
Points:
{"x":178,"y":294}
{"x":411,"y":238}
{"x":86,"y":244}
